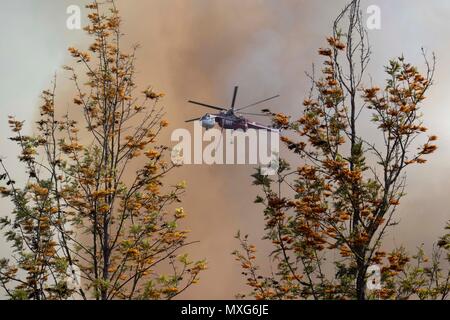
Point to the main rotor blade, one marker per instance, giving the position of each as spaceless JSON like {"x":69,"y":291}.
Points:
{"x":207,"y":105}
{"x":256,"y":103}
{"x":234,"y":97}
{"x":192,"y":120}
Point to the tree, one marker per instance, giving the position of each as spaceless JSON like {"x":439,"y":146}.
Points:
{"x":341,"y":200}
{"x":86,"y":224}
{"x":416,"y":277}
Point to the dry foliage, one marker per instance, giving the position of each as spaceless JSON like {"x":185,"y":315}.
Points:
{"x":86,"y":224}
{"x":327,"y":218}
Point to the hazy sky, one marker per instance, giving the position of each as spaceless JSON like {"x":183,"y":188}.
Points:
{"x":200,"y":49}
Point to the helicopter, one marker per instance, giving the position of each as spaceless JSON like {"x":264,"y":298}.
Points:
{"x":232,"y":118}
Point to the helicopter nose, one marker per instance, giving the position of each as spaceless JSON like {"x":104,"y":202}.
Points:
{"x":208,"y":122}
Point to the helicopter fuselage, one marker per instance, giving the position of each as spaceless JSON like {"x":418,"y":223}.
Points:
{"x":228,"y":120}
{"x":231,"y":118}
{"x":225,"y":120}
